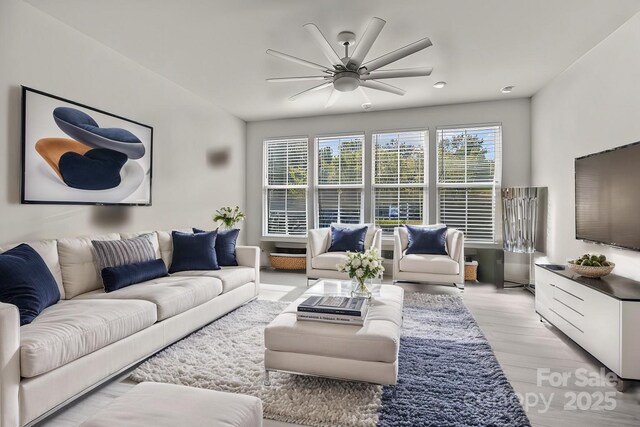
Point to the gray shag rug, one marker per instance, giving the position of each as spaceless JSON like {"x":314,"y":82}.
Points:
{"x":448,"y":374}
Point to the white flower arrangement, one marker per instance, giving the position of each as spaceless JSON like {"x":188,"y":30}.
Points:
{"x":229,"y":216}
{"x":362,"y":265}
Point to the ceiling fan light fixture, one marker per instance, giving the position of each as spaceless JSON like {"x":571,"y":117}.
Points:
{"x":350,"y":72}
{"x":346,"y":81}
{"x":439,"y":85}
{"x":507,"y":89}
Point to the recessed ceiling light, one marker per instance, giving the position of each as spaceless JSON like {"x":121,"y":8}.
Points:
{"x":507,"y":89}
{"x":439,"y":85}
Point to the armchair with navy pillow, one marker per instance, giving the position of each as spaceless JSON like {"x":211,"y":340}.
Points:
{"x":430,"y":253}
{"x":327,"y":247}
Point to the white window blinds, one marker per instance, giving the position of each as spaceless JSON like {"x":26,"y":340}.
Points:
{"x":339,"y":180}
{"x":285,"y":187}
{"x":399,"y":178}
{"x":469,"y":173}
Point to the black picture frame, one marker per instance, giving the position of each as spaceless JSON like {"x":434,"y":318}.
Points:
{"x":27,"y":144}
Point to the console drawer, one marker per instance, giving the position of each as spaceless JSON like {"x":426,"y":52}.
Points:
{"x":568,"y":299}
{"x":568,"y":314}
{"x":570,"y":287}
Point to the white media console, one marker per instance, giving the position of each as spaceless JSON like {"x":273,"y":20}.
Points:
{"x":601,"y":315}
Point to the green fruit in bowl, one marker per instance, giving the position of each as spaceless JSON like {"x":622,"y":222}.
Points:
{"x":596,"y":264}
{"x":585,"y":256}
{"x":586,"y":263}
{"x":594,"y":258}
{"x":606,"y":264}
{"x":602,"y":258}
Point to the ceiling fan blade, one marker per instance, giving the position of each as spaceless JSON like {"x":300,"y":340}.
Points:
{"x":313,"y":89}
{"x":297,"y":60}
{"x":297,"y":79}
{"x":392,"y":74}
{"x":396,"y":55}
{"x":322,"y":42}
{"x":374,"y":84}
{"x":366,"y":41}
{"x":335,"y":95}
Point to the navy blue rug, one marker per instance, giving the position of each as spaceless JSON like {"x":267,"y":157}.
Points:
{"x":448,"y":374}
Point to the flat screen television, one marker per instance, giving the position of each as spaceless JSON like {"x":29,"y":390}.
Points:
{"x":608,"y":197}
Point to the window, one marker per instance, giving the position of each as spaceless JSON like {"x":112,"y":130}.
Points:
{"x":340,"y":182}
{"x":469,"y":172}
{"x":399,"y":179}
{"x":285,"y":187}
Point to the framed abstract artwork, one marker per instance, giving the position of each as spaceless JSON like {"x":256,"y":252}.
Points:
{"x":75,"y":154}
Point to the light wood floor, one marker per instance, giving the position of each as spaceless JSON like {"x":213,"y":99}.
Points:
{"x":522,"y":344}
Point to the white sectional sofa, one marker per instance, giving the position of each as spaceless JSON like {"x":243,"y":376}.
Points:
{"x":90,"y":336}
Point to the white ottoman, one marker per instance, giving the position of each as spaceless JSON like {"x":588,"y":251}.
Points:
{"x":169,"y":405}
{"x":366,"y":353}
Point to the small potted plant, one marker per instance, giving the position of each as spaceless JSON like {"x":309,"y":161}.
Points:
{"x":361,"y":266}
{"x":229,"y":216}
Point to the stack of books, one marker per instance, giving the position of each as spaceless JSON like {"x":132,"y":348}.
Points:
{"x":344,"y":310}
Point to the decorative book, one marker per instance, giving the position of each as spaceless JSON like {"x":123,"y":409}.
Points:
{"x":343,"y":306}
{"x":331,"y":318}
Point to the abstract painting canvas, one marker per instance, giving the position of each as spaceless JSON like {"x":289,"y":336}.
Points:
{"x":74,"y":154}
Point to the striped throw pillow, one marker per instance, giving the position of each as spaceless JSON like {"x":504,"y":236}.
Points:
{"x":114,"y":253}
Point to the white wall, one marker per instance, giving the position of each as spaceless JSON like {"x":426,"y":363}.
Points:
{"x":39,"y":51}
{"x":513,"y":114}
{"x":592,"y":106}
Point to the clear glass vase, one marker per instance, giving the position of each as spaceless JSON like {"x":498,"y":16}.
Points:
{"x":360,"y":289}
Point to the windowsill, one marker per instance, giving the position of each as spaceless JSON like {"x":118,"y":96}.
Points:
{"x":387,"y":241}
{"x":292,"y":239}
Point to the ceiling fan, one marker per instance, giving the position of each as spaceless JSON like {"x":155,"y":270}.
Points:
{"x":351,"y":72}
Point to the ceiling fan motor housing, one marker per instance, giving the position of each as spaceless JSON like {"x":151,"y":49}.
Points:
{"x":346,"y":81}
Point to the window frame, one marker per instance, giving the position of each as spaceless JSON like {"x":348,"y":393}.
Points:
{"x":266,"y":187}
{"x":316,"y":174}
{"x":495,"y":185}
{"x":424,"y":186}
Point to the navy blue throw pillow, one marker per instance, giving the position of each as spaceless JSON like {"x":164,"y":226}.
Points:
{"x":427,"y":240}
{"x":194,"y":251}
{"x":26,"y":282}
{"x":347,"y":239}
{"x":115,"y":278}
{"x":225,"y":246}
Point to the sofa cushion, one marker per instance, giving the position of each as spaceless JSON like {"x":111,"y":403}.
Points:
{"x":328,"y":260}
{"x":79,"y":272}
{"x":69,"y":330}
{"x":434,"y":264}
{"x":194,"y":251}
{"x":347,"y":239}
{"x":115,"y":278}
{"x":427,"y":240}
{"x":26,"y":282}
{"x":48,"y":251}
{"x":171,"y":295}
{"x":153,"y":236}
{"x":231,"y":277}
{"x":225,"y":246}
{"x":114,"y":253}
{"x":368,"y":238}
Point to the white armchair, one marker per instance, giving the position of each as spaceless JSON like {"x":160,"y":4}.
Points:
{"x":321,"y":263}
{"x":429,"y":268}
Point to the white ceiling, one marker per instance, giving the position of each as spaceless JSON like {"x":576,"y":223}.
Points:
{"x":216,"y":48}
